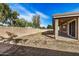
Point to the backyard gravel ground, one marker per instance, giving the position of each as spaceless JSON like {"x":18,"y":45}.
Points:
{"x":40,"y":44}
{"x":47,"y":41}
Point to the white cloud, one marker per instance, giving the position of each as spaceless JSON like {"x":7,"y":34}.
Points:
{"x":75,"y":10}
{"x":24,"y":13}
{"x":27,"y":14}
{"x":42,"y":25}
{"x":43,"y":18}
{"x":42,"y":15}
{"x":26,"y":17}
{"x":19,"y":8}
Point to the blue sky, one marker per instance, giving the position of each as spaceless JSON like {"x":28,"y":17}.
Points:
{"x":45,"y":10}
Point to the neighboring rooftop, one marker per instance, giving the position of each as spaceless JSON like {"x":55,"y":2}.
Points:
{"x":68,"y":14}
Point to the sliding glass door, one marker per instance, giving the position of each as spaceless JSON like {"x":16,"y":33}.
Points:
{"x":72,"y":29}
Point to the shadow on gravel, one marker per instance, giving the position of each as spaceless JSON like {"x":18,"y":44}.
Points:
{"x":51,"y":34}
{"x":48,"y":34}
{"x":17,"y":50}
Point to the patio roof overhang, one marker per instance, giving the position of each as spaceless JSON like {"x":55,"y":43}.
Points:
{"x":71,"y":14}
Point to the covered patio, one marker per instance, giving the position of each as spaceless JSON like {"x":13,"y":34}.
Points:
{"x":66,"y":25}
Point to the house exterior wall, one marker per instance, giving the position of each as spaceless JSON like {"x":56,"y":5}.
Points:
{"x":69,"y":17}
{"x":20,"y":31}
{"x":63,"y":29}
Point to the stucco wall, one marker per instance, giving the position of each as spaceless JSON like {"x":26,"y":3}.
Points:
{"x":20,"y":31}
{"x":15,"y":30}
{"x":63,"y":30}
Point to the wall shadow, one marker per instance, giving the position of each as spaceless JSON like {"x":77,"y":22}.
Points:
{"x":49,"y":34}
{"x":18,"y":50}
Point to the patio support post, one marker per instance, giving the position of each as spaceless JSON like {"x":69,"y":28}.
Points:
{"x":56,"y":28}
{"x":78,"y":28}
{"x":67,"y":28}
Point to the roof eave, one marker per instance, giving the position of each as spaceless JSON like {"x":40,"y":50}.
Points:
{"x":61,"y":16}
